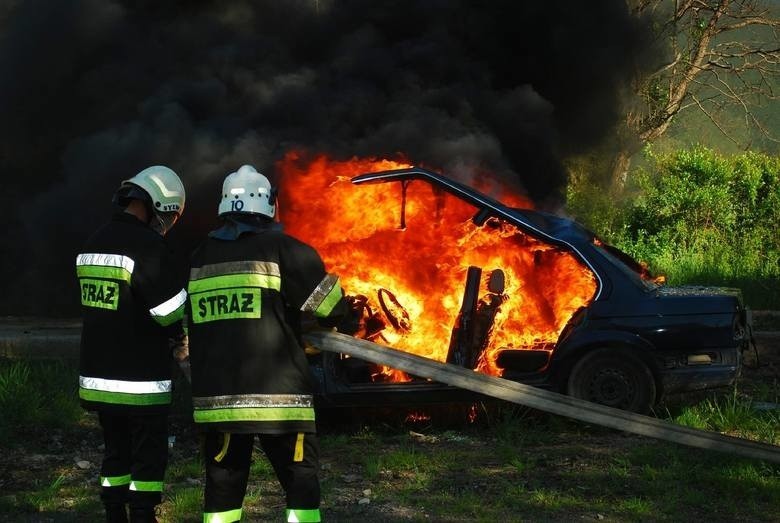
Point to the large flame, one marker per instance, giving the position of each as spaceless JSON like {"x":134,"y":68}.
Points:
{"x":357,"y":231}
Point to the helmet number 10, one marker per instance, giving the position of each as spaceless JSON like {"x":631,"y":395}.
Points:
{"x":236,"y":205}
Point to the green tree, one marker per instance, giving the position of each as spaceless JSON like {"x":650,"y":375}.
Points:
{"x":718,"y":56}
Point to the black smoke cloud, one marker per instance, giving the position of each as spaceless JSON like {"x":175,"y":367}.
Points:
{"x":92,"y":91}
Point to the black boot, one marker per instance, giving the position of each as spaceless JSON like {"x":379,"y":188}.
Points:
{"x":116,"y":513}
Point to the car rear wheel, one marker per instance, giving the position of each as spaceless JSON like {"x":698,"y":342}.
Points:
{"x":615,"y":378}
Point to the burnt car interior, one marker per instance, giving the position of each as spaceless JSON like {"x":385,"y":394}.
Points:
{"x":482,"y":294}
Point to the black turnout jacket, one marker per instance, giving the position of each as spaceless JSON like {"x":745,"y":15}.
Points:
{"x":248,"y":288}
{"x":132,"y":302}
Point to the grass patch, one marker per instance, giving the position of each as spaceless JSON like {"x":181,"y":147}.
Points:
{"x":372,"y":465}
{"x":517,"y":464}
{"x":36,"y":394}
{"x":62,"y":497}
{"x":46,"y":498}
{"x":573,"y":475}
{"x":184,"y":504}
{"x":261,"y":467}
{"x":714,"y":482}
{"x":732,"y":414}
{"x":184,"y":469}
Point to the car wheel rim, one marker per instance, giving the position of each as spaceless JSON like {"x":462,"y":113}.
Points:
{"x":611,"y":387}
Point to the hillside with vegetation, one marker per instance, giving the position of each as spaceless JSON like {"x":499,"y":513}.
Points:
{"x":697,"y":217}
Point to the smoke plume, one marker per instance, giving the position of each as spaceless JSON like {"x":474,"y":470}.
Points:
{"x":95,"y":90}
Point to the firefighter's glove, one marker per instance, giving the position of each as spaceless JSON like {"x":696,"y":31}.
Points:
{"x":351,"y":322}
{"x":180,"y":347}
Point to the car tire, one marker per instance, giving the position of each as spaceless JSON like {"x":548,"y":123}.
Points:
{"x":615,"y":378}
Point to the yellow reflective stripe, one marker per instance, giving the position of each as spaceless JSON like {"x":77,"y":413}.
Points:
{"x":303,"y":515}
{"x":298,"y":454}
{"x":227,"y":281}
{"x":146,"y":486}
{"x":115,"y":481}
{"x":329,"y":302}
{"x":122,"y":392}
{"x":228,"y":516}
{"x":225,"y":443}
{"x":254,"y":414}
{"x":319,"y":293}
{"x":123,"y":398}
{"x":110,"y":273}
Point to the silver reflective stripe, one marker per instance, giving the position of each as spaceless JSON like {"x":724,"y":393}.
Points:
{"x":128,"y":387}
{"x":235,"y":267}
{"x":106,"y":260}
{"x":169,"y":306}
{"x":319,"y":294}
{"x":252,"y":400}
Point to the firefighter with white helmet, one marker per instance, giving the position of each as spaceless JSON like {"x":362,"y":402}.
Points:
{"x":132,"y":302}
{"x":247,"y":191}
{"x":250,"y":283}
{"x":162,"y":193}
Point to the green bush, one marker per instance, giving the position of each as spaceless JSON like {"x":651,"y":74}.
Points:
{"x":699,"y":218}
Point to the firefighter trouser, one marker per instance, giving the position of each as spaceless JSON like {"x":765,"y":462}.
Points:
{"x":294,"y":458}
{"x":134,"y":460}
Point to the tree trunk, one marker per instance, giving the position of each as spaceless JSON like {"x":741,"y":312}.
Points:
{"x":621,"y":162}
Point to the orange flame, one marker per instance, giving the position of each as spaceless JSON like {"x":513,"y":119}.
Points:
{"x":472,"y":414}
{"x":417,"y":417}
{"x":356,"y":230}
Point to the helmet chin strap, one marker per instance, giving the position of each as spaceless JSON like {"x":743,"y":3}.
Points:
{"x":161,"y":224}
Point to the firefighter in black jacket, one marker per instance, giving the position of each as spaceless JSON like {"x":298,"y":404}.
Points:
{"x":132,"y":306}
{"x":249,"y":285}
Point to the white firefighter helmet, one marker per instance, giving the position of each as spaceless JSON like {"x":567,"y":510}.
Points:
{"x":163,"y":192}
{"x":247,"y":191}
{"x":163,"y":186}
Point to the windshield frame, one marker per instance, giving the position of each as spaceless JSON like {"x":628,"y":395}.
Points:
{"x":616,"y":261}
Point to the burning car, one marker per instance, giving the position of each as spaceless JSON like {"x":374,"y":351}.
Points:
{"x":437,"y":268}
